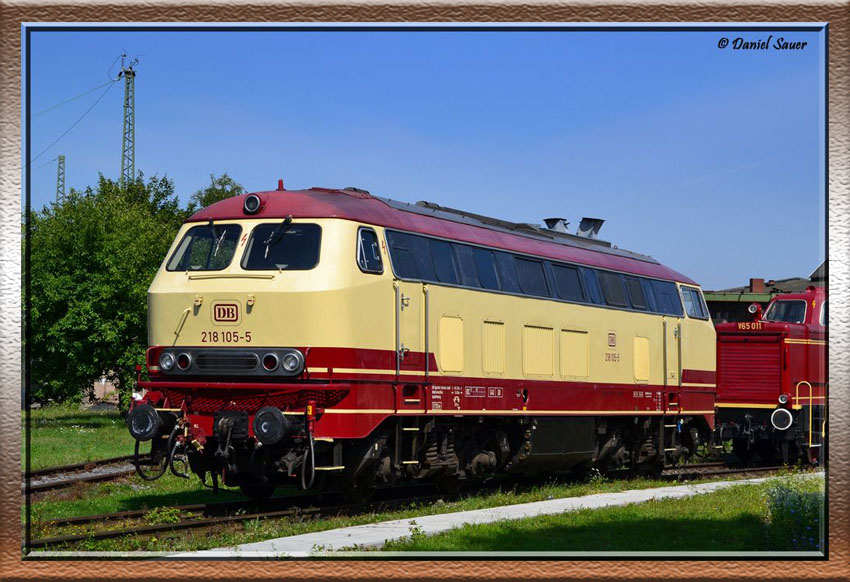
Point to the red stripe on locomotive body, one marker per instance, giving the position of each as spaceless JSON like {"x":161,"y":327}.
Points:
{"x":361,"y":207}
{"x":354,"y":403}
{"x":699,"y":376}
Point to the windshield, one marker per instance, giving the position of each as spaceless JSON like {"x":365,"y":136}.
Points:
{"x":206,"y":248}
{"x":786,"y":311}
{"x":283,"y":246}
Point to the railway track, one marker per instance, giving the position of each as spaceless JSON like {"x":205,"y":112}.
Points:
{"x":712,"y":470}
{"x":69,"y":475}
{"x":209,"y":515}
{"x":309,"y":506}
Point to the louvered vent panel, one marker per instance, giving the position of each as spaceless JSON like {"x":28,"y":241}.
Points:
{"x":749,"y":368}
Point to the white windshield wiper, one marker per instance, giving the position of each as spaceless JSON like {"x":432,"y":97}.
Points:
{"x":218,"y":239}
{"x":276,"y":234}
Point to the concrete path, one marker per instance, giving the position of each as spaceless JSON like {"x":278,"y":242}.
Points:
{"x":376,"y":535}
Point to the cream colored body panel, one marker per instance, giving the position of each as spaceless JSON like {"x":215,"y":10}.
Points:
{"x":472,"y":333}
{"x":333,"y":304}
{"x":540,"y":341}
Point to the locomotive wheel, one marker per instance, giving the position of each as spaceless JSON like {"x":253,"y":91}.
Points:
{"x":448,"y":484}
{"x":257,"y":492}
{"x":742,"y":450}
{"x":361,"y":488}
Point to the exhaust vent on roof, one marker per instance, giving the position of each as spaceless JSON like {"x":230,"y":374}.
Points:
{"x":556,"y":224}
{"x":589,"y":227}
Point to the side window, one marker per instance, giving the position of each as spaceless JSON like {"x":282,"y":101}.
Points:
{"x":568,"y":283}
{"x":369,"y":252}
{"x":649,"y":293}
{"x":410,"y":256}
{"x":693,"y":303}
{"x":824,"y":320}
{"x":507,"y":272}
{"x":592,"y":283}
{"x":636,"y":295}
{"x":532,"y":280}
{"x":612,"y":289}
{"x":445,"y":264}
{"x":466,"y":265}
{"x":667,"y":298}
{"x":485,"y":265}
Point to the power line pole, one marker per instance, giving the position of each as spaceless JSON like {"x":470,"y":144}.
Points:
{"x":128,"y":145}
{"x":60,"y":179}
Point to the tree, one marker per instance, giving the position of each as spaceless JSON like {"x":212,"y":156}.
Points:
{"x":219,"y":189}
{"x":93,"y":257}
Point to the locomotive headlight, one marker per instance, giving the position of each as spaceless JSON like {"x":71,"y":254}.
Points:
{"x":166,"y":361}
{"x":293,"y":362}
{"x":783,"y":399}
{"x":184,"y":360}
{"x":252,"y":204}
{"x":270,"y":362}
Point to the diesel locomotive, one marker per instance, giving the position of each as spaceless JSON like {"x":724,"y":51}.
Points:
{"x":332,"y":338}
{"x":772,"y":379}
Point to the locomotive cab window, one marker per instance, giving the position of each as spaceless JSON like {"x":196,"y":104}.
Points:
{"x":369,"y":251}
{"x":283,"y":246}
{"x":824,"y":319}
{"x":786,"y":311}
{"x":209,"y":247}
{"x":694,"y":305}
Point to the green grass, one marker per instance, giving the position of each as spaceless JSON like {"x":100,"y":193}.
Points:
{"x":733,"y":519}
{"x":135,"y":494}
{"x":63,"y":435}
{"x":66,"y":434}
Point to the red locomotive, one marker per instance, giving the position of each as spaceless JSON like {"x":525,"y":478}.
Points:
{"x":772,"y":379}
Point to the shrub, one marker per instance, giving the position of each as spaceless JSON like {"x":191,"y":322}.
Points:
{"x":795,"y":514}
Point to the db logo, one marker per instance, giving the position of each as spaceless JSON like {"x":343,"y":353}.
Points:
{"x":225,"y":313}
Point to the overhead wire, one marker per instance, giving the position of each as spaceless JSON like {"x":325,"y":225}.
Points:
{"x":45,"y":164}
{"x":73,"y":98}
{"x":79,"y":119}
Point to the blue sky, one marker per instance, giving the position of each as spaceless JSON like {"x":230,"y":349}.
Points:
{"x":708,"y":159}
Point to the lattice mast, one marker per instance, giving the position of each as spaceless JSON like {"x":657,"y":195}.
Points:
{"x":128,"y":145}
{"x":60,"y":179}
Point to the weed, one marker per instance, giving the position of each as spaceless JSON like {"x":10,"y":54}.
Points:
{"x":253,"y":526}
{"x":162,"y":515}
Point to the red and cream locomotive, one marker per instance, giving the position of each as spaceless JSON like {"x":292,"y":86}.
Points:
{"x":331,"y":336}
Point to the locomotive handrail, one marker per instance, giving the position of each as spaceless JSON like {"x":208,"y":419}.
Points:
{"x":231,"y":276}
{"x":811,"y":398}
{"x":427,"y":331}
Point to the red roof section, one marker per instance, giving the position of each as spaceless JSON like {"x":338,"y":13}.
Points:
{"x":359,"y":206}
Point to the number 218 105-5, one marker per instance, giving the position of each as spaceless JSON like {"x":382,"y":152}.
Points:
{"x":228,"y":337}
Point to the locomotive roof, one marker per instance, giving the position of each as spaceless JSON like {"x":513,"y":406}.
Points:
{"x":435,"y":220}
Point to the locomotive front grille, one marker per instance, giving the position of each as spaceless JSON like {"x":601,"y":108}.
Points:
{"x":226,"y":362}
